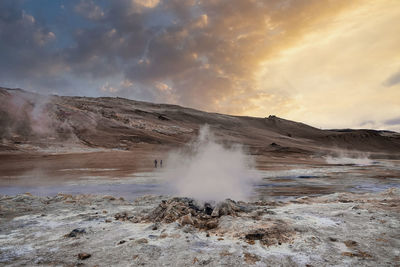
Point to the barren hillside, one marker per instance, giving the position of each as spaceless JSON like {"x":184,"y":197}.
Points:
{"x":29,"y":121}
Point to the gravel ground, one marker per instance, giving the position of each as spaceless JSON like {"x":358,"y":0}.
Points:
{"x":341,"y":229}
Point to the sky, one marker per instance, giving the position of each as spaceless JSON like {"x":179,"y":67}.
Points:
{"x":331,"y":64}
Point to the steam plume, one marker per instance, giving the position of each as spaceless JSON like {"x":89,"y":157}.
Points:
{"x":349,"y":159}
{"x":209,"y":171}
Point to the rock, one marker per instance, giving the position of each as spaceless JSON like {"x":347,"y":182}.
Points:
{"x":333,"y":239}
{"x":124,"y":216}
{"x":184,"y":210}
{"x":251,"y":258}
{"x":188,"y":229}
{"x":205,"y":262}
{"x":173,"y":209}
{"x":142,"y":241}
{"x":270,"y":212}
{"x":121,"y":242}
{"x":22,"y":198}
{"x":84,"y":256}
{"x":110,"y":198}
{"x":187,"y":219}
{"x":251,"y":242}
{"x":255,"y":235}
{"x":359,"y":254}
{"x":211,"y":224}
{"x":154,"y":226}
{"x":227,"y":207}
{"x":208,"y":209}
{"x":350,"y":243}
{"x":164,"y":235}
{"x":275,"y":234}
{"x":163,"y":118}
{"x":39,"y":260}
{"x":187,"y":211}
{"x":76,"y":232}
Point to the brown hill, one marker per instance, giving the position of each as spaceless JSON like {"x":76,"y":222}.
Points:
{"x":29,"y":120}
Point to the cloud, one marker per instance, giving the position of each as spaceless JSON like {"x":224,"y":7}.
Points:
{"x":394,"y":121}
{"x":25,"y":48}
{"x":147,"y":3}
{"x":109,"y":88}
{"x":89,"y":9}
{"x":394,"y":79}
{"x":333,"y":77}
{"x":241,"y":57}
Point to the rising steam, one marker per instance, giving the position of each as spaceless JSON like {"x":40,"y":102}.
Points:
{"x":209,"y":171}
{"x":346,"y":158}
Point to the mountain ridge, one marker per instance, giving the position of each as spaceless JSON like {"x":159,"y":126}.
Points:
{"x":120,"y":123}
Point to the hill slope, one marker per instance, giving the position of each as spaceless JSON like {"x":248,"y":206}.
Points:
{"x":28,"y":119}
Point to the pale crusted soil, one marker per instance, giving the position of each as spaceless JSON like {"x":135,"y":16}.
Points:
{"x":334,"y":230}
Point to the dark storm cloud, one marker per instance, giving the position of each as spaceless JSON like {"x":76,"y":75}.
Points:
{"x":198,"y":53}
{"x":26,"y":49}
{"x":22,"y":39}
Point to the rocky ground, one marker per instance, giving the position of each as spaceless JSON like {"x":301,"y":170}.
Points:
{"x":341,"y":229}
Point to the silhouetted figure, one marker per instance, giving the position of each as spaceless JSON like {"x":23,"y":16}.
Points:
{"x":160,"y":163}
{"x":155,"y":163}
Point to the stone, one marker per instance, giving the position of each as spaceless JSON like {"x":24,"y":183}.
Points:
{"x":84,"y":256}
{"x":211,"y":224}
{"x":187,"y":219}
{"x":251,"y":258}
{"x":227,"y":207}
{"x":186,"y":211}
{"x":350,"y":243}
{"x":76,"y":232}
{"x":188,"y":229}
{"x":124,"y":216}
{"x":142,"y":241}
{"x":272,"y":235}
{"x":154,"y":226}
{"x":110,"y":198}
{"x":208,"y":209}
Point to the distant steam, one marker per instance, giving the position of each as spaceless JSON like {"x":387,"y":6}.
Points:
{"x":209,"y":171}
{"x":347,"y":158}
{"x":28,"y":115}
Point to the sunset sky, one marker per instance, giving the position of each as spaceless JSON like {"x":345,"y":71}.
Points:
{"x":331,"y":64}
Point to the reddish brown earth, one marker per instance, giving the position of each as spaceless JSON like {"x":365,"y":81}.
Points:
{"x":30,"y":120}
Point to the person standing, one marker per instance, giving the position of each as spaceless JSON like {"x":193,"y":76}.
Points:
{"x":160,"y":163}
{"x":155,"y":163}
